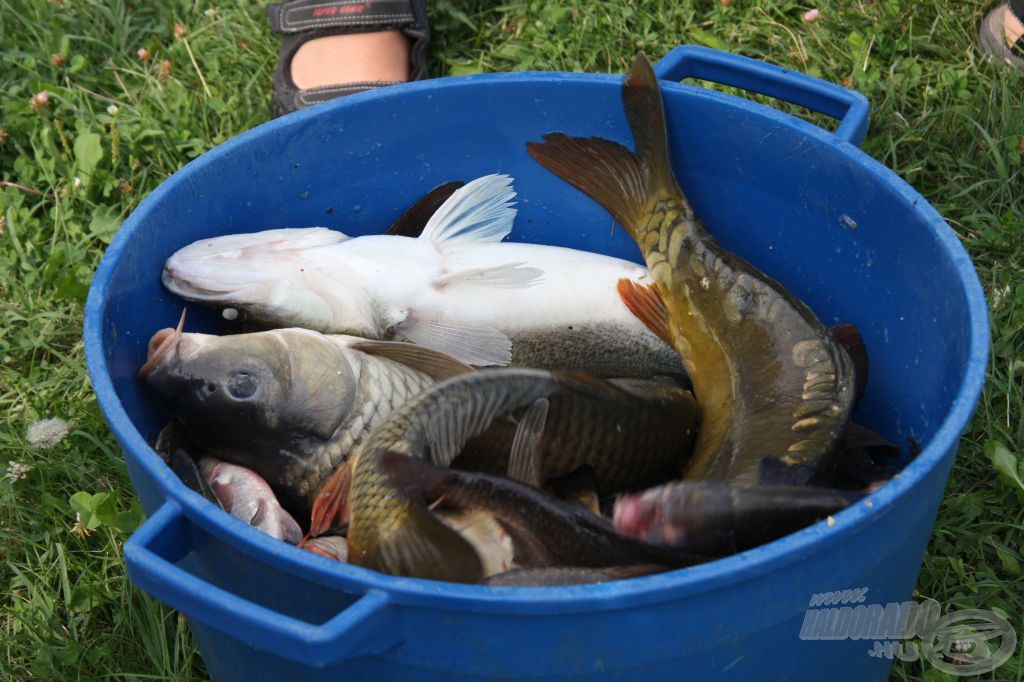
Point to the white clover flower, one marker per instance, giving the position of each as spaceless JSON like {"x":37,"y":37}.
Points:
{"x":112,"y":110}
{"x":17,"y":471}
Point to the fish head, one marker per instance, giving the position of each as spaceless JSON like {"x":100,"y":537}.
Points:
{"x":262,"y":400}
{"x":275,"y":278}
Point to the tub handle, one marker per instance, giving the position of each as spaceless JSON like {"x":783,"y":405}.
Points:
{"x":848,"y":106}
{"x":366,"y":627}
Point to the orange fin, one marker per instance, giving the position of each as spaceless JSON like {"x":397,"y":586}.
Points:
{"x":646,"y":303}
{"x":331,"y":502}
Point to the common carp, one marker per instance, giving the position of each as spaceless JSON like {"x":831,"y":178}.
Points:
{"x":393,"y":532}
{"x":290,"y":404}
{"x":456,"y":288}
{"x":771,"y":382}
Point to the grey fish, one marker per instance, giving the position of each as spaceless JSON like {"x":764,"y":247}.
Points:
{"x":290,"y":404}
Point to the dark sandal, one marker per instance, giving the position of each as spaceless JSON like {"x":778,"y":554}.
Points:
{"x":300,"y":21}
{"x":992,"y":39}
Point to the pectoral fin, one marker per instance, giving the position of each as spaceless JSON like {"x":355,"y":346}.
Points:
{"x":646,"y":304}
{"x":478,"y":345}
{"x":436,"y":364}
{"x":524,"y":459}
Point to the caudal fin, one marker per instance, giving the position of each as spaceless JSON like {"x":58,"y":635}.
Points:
{"x":417,"y":543}
{"x":622,"y":181}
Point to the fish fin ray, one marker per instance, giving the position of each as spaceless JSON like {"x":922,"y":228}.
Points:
{"x":622,"y":181}
{"x":478,"y":213}
{"x":507,"y":276}
{"x":434,"y":363}
{"x":331,"y":502}
{"x":647,"y":305}
{"x":420,"y":545}
{"x":479,"y":345}
{"x":524,"y":459}
{"x":413,"y":221}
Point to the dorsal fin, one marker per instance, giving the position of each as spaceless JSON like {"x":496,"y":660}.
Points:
{"x":413,"y":221}
{"x":481,"y":212}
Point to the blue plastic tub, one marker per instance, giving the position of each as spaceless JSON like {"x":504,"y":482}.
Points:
{"x":806,"y":205}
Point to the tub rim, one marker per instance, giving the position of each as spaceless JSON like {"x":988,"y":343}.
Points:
{"x":673,"y":585}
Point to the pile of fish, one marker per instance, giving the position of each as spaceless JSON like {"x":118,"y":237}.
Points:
{"x":439,"y":403}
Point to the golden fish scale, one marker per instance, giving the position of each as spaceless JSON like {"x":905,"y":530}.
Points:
{"x":767,"y":375}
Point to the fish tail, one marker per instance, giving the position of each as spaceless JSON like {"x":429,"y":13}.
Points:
{"x":628,"y":184}
{"x":415,"y":543}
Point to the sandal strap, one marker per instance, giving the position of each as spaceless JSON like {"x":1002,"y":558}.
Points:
{"x":310,"y":96}
{"x":297,"y":16}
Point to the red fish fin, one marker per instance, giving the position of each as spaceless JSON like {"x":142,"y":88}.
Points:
{"x":331,"y":502}
{"x":618,"y":179}
{"x":848,"y":336}
{"x":647,"y":305}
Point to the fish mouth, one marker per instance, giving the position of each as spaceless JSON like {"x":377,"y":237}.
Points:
{"x":192,"y":289}
{"x":160,"y":345}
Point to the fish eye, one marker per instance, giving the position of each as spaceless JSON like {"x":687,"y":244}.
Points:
{"x":242,"y":384}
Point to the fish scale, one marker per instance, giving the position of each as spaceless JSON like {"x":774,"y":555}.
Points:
{"x":382,"y":386}
{"x":771,"y":382}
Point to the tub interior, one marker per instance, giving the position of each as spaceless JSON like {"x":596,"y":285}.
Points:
{"x":853,"y":247}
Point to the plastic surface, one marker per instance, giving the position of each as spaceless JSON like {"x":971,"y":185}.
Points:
{"x":842,"y":232}
{"x":849,"y":106}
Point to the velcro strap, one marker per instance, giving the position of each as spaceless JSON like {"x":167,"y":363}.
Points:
{"x":305,"y":15}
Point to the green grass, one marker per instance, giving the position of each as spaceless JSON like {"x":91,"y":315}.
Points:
{"x":942,"y":117}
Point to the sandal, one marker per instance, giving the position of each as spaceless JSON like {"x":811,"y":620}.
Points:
{"x":992,"y":38}
{"x":300,"y":21}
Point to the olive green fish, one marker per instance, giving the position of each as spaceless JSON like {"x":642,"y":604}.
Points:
{"x":771,"y":382}
{"x":394,"y":533}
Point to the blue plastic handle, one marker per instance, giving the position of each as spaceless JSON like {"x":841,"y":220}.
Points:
{"x":848,"y":106}
{"x":366,"y":627}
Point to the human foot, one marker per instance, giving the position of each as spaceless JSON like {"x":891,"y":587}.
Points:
{"x":382,"y":56}
{"x":330,"y":49}
{"x":1002,"y":35}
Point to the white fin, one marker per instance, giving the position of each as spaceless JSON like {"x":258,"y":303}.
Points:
{"x":480,"y":212}
{"x":507,"y":276}
{"x":478,"y":345}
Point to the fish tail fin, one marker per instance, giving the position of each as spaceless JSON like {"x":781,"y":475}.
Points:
{"x":624,"y":182}
{"x":417,"y":543}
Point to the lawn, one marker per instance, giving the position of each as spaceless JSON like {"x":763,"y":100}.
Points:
{"x":129,"y":98}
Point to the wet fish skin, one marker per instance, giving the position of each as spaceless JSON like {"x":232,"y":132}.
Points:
{"x":637,"y":438}
{"x":717,"y":518}
{"x":462,"y":291}
{"x":246,"y":496}
{"x":769,"y":378}
{"x":289,"y":404}
{"x":545,"y":531}
{"x":392,"y":532}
